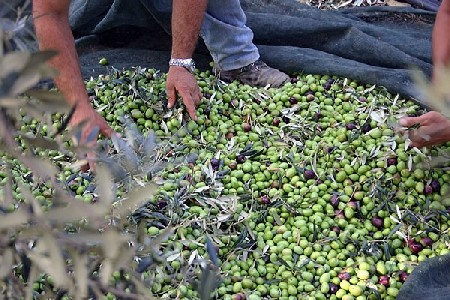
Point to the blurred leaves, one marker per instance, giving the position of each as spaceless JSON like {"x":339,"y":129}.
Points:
{"x":436,"y":95}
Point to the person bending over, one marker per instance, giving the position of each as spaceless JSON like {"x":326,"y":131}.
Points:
{"x":221,"y":24}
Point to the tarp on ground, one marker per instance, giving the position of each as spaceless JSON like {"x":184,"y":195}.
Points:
{"x":374,"y":45}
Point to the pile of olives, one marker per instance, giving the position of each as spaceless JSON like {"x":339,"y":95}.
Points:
{"x":307,"y":191}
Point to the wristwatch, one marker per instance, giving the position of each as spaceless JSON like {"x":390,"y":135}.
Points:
{"x":187,"y":63}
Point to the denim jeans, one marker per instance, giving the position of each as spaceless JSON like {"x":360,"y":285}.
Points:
{"x":224,"y":31}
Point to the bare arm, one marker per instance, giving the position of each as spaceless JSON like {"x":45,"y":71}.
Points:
{"x":187,"y":18}
{"x":51,"y":20}
{"x":434,"y":127}
{"x":441,"y":39}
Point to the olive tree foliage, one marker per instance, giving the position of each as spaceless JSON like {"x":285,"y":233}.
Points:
{"x":72,"y":247}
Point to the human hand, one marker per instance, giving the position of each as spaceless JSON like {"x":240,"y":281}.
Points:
{"x":434,"y":129}
{"x":94,"y":125}
{"x":180,"y":81}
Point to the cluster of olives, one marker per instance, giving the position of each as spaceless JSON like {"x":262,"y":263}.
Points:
{"x":308,"y":189}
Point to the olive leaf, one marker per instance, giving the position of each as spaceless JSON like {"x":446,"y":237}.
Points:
{"x":80,"y":263}
{"x":11,"y":220}
{"x":209,"y":281}
{"x":6,"y":262}
{"x":13,"y":62}
{"x":136,"y":198}
{"x":47,"y":255}
{"x":33,"y":275}
{"x":105,"y":185}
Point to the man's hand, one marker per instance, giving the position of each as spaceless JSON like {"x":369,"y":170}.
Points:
{"x":180,"y":81}
{"x":85,"y":112}
{"x":434,"y":129}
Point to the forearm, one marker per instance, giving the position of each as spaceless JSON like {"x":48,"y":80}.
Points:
{"x":53,"y":33}
{"x":187,"y":18}
{"x":440,"y":39}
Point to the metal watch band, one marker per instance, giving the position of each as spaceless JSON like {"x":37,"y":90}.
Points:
{"x":187,"y":63}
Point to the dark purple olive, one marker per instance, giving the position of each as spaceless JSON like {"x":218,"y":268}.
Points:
{"x":426,"y":241}
{"x":344,"y":275}
{"x":207,"y":111}
{"x":207,"y":95}
{"x":285,"y":119}
{"x":428,"y":190}
{"x":436,"y":186}
{"x":362,"y":99}
{"x":247,"y":127}
{"x":339,"y":214}
{"x":336,"y":229}
{"x":309,"y":174}
{"x":330,"y":149}
{"x":162,"y":204}
{"x":293,"y":100}
{"x":415,"y":247}
{"x":276,"y":122}
{"x":366,"y":128}
{"x":413,"y":115}
{"x":384,"y":280}
{"x":333,"y":288}
{"x":238,"y":297}
{"x":327,"y":86}
{"x":403,"y":276}
{"x":377,"y":222}
{"x":350,"y":126}
{"x":317,"y":116}
{"x":241,"y":159}
{"x":294,"y":80}
{"x":215,"y":162}
{"x":264,"y":199}
{"x":391,"y":161}
{"x":334,"y":201}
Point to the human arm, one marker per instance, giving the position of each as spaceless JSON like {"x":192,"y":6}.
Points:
{"x":187,"y":18}
{"x":440,"y":38}
{"x":434,"y":127}
{"x":51,"y":21}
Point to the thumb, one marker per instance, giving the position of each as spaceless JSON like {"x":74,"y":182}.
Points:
{"x":409,"y":121}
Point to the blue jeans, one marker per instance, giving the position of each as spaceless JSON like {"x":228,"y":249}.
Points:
{"x":224,"y":31}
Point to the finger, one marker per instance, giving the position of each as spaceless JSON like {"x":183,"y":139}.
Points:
{"x":106,"y":131}
{"x":85,"y":168}
{"x":409,"y":121}
{"x":190,"y":107}
{"x":91,"y":160}
{"x":171,"y":95}
{"x":198,"y":98}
